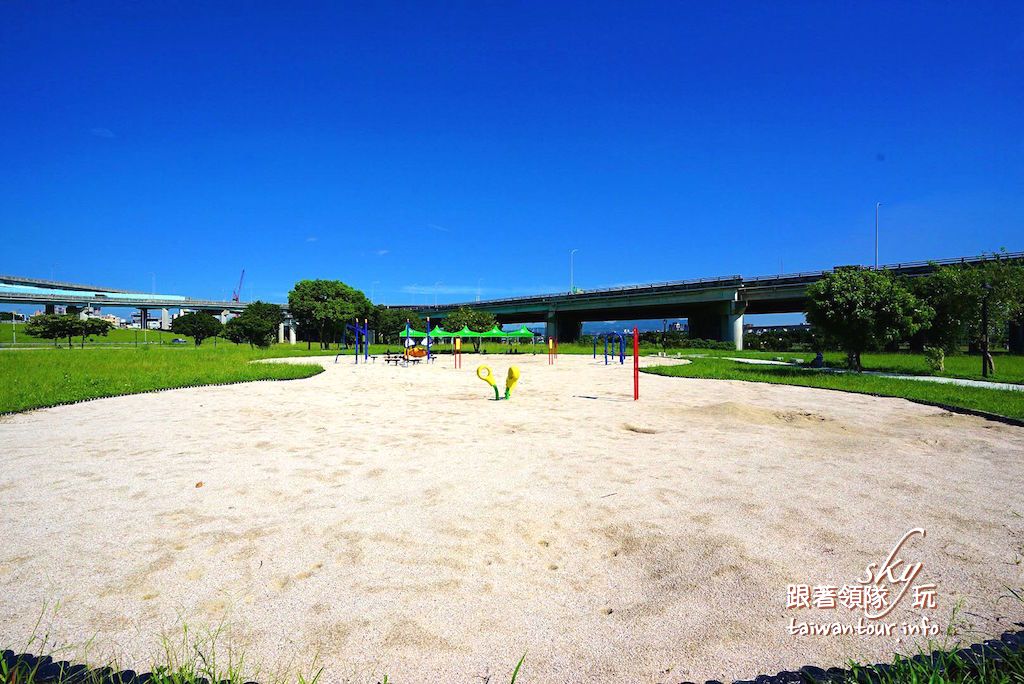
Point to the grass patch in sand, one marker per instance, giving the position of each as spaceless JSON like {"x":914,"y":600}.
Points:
{"x":1009,"y":403}
{"x":48,"y":377}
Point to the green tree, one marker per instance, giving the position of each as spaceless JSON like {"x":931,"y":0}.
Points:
{"x":323,"y":307}
{"x":957,"y":294}
{"x":199,"y":325}
{"x":235,"y":330}
{"x":257,"y":324}
{"x":87,"y":327}
{"x":52,"y":327}
{"x":859,"y":309}
{"x":389,"y":323}
{"x":474,"y":319}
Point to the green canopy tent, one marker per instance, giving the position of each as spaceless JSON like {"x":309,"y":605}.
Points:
{"x":522,"y":333}
{"x":439,"y":333}
{"x":494,"y":332}
{"x":465,"y":332}
{"x":412,"y":333}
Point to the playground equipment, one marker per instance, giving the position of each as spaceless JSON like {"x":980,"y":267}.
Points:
{"x":485,"y":374}
{"x":457,"y":352}
{"x":428,"y":338}
{"x":552,"y":351}
{"x":622,"y":347}
{"x":636,"y":363}
{"x":362,"y":334}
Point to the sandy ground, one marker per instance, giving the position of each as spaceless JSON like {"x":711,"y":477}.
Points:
{"x":393,"y":520}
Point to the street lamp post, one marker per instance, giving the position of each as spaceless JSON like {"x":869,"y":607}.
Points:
{"x":877,"y":205}
{"x":572,"y":279}
{"x":987,"y":366}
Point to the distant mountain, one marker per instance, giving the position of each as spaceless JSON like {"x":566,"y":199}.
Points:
{"x":597,"y":327}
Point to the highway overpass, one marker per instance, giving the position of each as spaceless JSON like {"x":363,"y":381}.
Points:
{"x":714,"y":306}
{"x":53,"y":293}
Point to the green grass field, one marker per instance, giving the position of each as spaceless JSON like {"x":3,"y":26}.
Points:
{"x":47,"y":377}
{"x":1009,"y":403}
{"x":117,"y":336}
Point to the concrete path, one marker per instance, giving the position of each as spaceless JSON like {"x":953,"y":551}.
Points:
{"x":986,"y":384}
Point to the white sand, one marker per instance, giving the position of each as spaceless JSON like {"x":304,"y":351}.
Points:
{"x":393,"y":520}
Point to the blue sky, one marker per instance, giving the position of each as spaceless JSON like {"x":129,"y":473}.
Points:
{"x":421,"y":150}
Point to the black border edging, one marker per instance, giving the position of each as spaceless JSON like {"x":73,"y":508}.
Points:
{"x":968,"y":661}
{"x":973,"y":660}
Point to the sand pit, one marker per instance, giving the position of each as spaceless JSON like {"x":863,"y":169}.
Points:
{"x":393,"y":520}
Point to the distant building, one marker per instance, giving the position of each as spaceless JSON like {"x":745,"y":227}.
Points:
{"x":762,"y":329}
{"x":115,"y":321}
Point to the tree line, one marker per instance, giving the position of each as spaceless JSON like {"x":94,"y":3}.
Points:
{"x":858,"y":310}
{"x":66,"y":326}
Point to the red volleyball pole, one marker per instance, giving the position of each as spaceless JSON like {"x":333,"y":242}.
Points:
{"x":636,"y":363}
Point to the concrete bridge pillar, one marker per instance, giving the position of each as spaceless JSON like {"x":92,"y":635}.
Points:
{"x":734,"y":325}
{"x":51,"y":309}
{"x":291,"y":334}
{"x":724,"y":324}
{"x":223,"y":317}
{"x":562,"y":328}
{"x":551,"y":326}
{"x":144,"y":319}
{"x":280,"y":333}
{"x":165,"y":319}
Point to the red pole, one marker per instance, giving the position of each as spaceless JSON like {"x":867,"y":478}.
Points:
{"x":636,"y":364}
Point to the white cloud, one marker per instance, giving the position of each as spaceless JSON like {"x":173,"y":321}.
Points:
{"x":382,"y":252}
{"x":311,"y":238}
{"x":437,"y":227}
{"x":103,"y":133}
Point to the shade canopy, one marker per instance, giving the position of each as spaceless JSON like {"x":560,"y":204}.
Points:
{"x":494,"y":332}
{"x":522,"y":332}
{"x":465,"y":332}
{"x":412,"y":333}
{"x":439,"y":332}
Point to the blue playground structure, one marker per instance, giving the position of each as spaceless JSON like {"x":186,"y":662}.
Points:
{"x":362,"y":333}
{"x":622,"y":346}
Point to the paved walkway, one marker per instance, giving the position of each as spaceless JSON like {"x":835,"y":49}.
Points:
{"x":920,"y":378}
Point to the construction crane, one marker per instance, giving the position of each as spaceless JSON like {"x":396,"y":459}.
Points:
{"x":237,"y":294}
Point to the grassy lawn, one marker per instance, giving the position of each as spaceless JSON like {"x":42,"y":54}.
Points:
{"x":1009,"y":368}
{"x":1009,"y":403}
{"x":117,"y":336}
{"x":47,"y":376}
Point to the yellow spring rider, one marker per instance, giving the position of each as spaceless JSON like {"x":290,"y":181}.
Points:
{"x":485,"y":374}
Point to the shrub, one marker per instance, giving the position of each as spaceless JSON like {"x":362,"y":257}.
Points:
{"x":935,"y":357}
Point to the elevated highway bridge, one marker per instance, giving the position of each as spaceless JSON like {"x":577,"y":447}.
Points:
{"x":53,"y":293}
{"x":714,"y":306}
